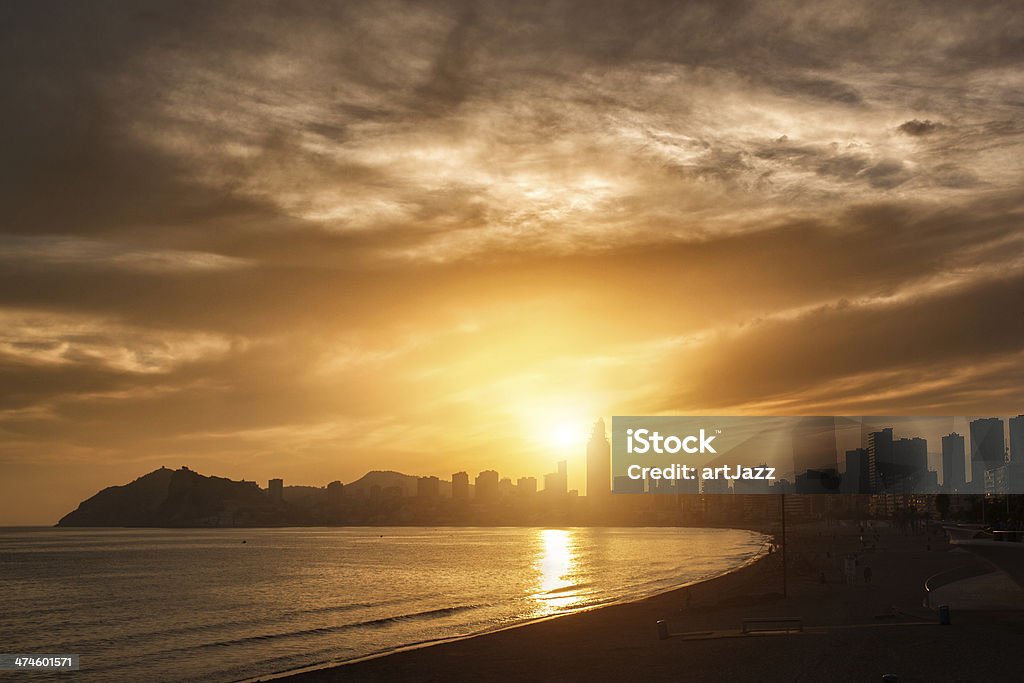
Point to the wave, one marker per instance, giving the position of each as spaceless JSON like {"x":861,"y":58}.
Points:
{"x":324,"y":630}
{"x":230,"y":624}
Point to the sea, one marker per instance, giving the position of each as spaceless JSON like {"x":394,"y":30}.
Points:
{"x":236,"y":604}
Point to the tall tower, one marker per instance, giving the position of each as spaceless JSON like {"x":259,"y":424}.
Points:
{"x":988,"y":444}
{"x":460,"y":486}
{"x":1017,"y":439}
{"x":599,"y":463}
{"x":954,"y":468}
{"x":487,"y":486}
{"x":880,"y":460}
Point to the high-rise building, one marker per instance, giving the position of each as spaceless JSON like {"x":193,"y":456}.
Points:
{"x":910,"y":462}
{"x":460,"y":486}
{"x":954,"y":461}
{"x":977,"y":483}
{"x":428,"y":488}
{"x":526,"y":486}
{"x":988,"y":443}
{"x":557,"y":483}
{"x":857,"y":478}
{"x":275,"y":489}
{"x":1017,"y":439}
{"x":599,"y":463}
{"x":880,"y":459}
{"x":505,"y":487}
{"x":487,"y":486}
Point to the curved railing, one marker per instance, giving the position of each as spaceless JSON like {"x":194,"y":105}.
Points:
{"x":949,"y":576}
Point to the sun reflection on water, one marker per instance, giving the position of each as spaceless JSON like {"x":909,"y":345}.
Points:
{"x":556,"y":567}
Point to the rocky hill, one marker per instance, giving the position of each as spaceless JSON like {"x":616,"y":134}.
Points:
{"x":181,"y":498}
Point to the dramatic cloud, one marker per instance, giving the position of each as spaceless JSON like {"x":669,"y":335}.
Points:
{"x":916,"y":128}
{"x":315,"y":239}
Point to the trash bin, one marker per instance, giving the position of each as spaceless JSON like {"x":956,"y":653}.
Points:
{"x":662,"y":629}
{"x":944,"y":615}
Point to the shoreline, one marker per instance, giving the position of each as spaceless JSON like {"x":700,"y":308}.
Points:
{"x":713,"y":584}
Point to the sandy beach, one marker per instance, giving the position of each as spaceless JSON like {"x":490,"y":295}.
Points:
{"x":850,"y":632}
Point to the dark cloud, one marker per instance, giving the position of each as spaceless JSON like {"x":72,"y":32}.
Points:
{"x":825,"y":89}
{"x":918,"y":128}
{"x":935,"y":337}
{"x":887,"y":173}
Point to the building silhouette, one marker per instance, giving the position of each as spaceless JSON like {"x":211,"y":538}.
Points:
{"x":880,"y":459}
{"x":977,"y":483}
{"x":1017,"y":439}
{"x":818,"y":481}
{"x":460,"y":486}
{"x":739,"y":486}
{"x":954,"y":464}
{"x":624,"y":484}
{"x":557,"y":483}
{"x":599,"y":463}
{"x":487,"y":486}
{"x":275,"y":489}
{"x":428,"y":488}
{"x":910,"y":467}
{"x":526,"y":486}
{"x":857,"y":478}
{"x":988,"y":443}
{"x":713,"y":486}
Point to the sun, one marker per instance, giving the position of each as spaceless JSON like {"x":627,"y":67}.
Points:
{"x":556,"y":425}
{"x":566,"y":434}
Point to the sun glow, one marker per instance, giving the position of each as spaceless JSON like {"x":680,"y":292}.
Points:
{"x":555,"y":564}
{"x":567,"y":435}
{"x":558,"y":425}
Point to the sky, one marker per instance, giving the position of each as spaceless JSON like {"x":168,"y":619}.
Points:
{"x":312,"y":239}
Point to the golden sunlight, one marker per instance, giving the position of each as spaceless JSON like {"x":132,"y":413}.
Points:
{"x":555,"y":565}
{"x":559,"y":426}
{"x":567,"y":435}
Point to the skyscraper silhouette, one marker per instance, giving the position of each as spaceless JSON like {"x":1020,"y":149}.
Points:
{"x":988,"y":443}
{"x":275,"y":489}
{"x":556,"y":484}
{"x":954,"y":472}
{"x":857,"y":478}
{"x":1017,"y":439}
{"x":460,"y":486}
{"x":599,"y":463}
{"x":880,"y":459}
{"x":487,"y":486}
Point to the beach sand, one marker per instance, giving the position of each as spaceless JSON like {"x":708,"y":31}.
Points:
{"x":851,"y":632}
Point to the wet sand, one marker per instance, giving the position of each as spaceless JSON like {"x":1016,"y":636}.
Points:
{"x":851,"y":632}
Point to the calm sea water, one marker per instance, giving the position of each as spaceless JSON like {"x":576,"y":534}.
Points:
{"x":177,"y":605}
